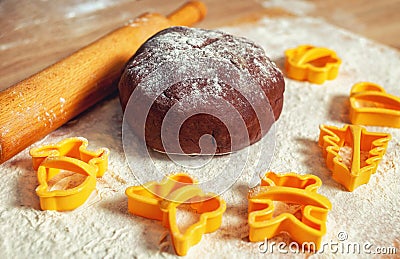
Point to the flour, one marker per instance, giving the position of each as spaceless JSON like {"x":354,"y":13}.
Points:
{"x":106,"y":229}
{"x":65,"y":180}
{"x":283,"y":207}
{"x":190,"y":53}
{"x":346,"y":156}
{"x":186,"y":217}
{"x":298,"y":7}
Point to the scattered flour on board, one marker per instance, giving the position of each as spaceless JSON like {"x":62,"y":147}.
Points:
{"x":106,"y":229}
{"x":298,"y":7}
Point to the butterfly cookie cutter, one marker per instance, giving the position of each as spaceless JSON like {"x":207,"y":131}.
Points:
{"x":306,"y":225}
{"x":160,"y":201}
{"x":67,"y":172}
{"x":352,"y":153}
{"x":371,"y":105}
{"x":313,"y":64}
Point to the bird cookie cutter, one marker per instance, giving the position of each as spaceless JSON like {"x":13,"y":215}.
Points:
{"x":364,"y":151}
{"x":306,"y":226}
{"x":313,"y":64}
{"x":67,"y":173}
{"x":160,"y":201}
{"x":371,"y":105}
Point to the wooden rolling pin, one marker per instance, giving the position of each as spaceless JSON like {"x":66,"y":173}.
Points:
{"x":43,"y":102}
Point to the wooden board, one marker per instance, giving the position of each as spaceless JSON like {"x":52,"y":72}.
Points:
{"x":36,"y":33}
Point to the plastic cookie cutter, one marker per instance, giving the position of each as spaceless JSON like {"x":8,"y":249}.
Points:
{"x":67,"y":173}
{"x":160,"y":201}
{"x":352,"y":153}
{"x":306,"y":225}
{"x":75,"y":147}
{"x":313,"y":64}
{"x":371,"y":105}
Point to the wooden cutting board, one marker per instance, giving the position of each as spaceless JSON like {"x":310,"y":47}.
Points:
{"x":36,"y":33}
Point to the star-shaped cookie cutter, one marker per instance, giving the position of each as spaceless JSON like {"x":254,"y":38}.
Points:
{"x":160,"y":201}
{"x":67,"y":156}
{"x":306,"y":226}
{"x":371,"y":105}
{"x":364,"y":152}
{"x":313,"y":64}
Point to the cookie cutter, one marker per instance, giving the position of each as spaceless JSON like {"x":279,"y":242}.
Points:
{"x":371,"y":105}
{"x":69,"y":155}
{"x":160,"y":201}
{"x":306,"y":226}
{"x":313,"y":64}
{"x":75,"y":147}
{"x":144,"y":200}
{"x":367,"y":150}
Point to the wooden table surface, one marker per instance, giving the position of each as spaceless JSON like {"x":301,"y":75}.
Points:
{"x":37,"y":33}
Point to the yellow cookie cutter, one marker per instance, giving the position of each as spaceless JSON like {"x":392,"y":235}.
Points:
{"x":69,"y":199}
{"x":313,"y":64}
{"x":75,"y":147}
{"x":68,"y":155}
{"x":159,"y":201}
{"x":306,"y":228}
{"x":371,"y":105}
{"x":371,"y":145}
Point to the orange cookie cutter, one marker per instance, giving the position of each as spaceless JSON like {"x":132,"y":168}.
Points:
{"x":69,"y":155}
{"x":371,"y":105}
{"x":306,"y":227}
{"x":365,"y":149}
{"x":313,"y":64}
{"x":160,"y":201}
